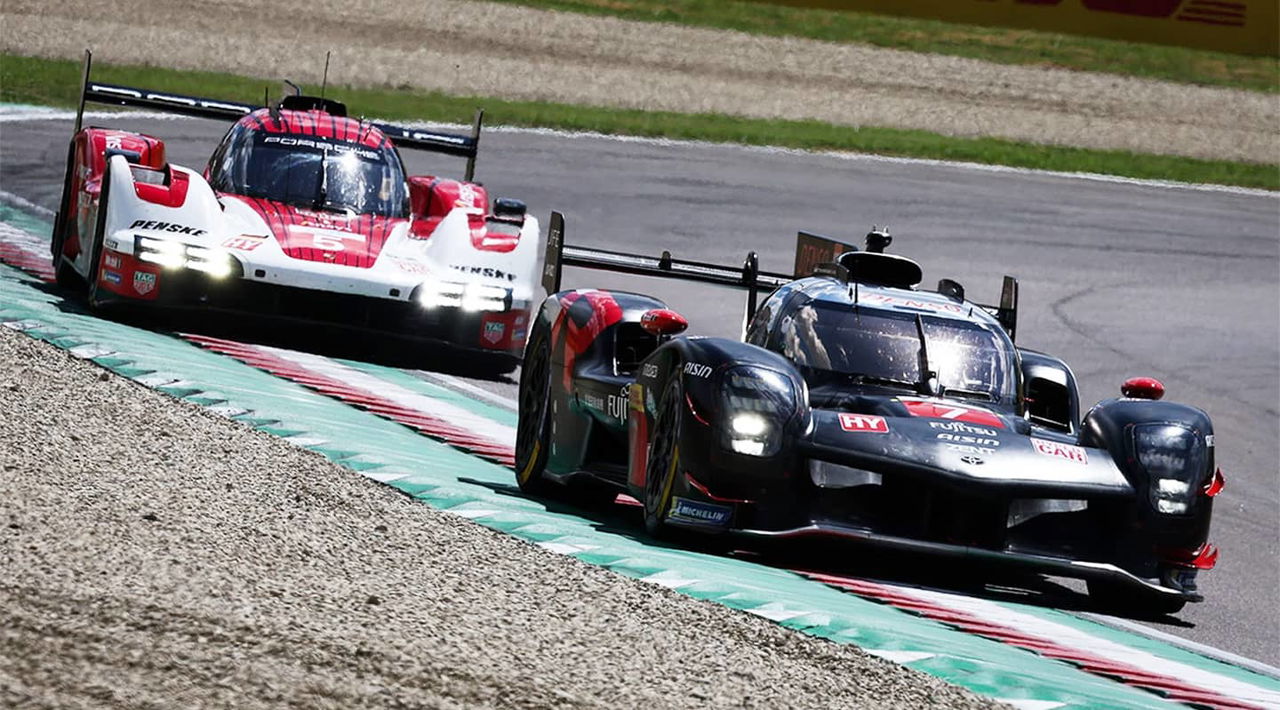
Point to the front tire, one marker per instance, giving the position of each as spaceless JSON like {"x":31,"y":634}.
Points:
{"x":663,"y":464}
{"x":533,"y":439}
{"x":96,"y":301}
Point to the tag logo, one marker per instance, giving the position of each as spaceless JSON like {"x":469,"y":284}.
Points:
{"x":494,"y":331}
{"x":1069,"y":452}
{"x":143,"y":282}
{"x":864,"y":423}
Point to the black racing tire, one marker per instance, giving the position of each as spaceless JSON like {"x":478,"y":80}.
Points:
{"x":1119,"y":599}
{"x":663,"y":465}
{"x":533,"y":431}
{"x":96,"y":302}
{"x":65,"y":275}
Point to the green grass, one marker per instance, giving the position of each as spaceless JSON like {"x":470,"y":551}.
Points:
{"x":1007,"y":46}
{"x":55,"y":83}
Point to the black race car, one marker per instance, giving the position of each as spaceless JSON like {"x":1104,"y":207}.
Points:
{"x":862,"y":408}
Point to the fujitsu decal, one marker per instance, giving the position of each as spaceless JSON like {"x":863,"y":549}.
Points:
{"x":866,"y":423}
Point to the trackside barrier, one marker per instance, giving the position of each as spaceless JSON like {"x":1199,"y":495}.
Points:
{"x":1235,"y":26}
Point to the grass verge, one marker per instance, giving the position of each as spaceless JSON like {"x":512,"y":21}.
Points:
{"x":55,"y":83}
{"x":1003,"y":45}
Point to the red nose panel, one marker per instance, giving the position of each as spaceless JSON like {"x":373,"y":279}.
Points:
{"x":325,"y":237}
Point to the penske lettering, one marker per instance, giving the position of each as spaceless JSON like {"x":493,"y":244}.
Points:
{"x":166,"y":227}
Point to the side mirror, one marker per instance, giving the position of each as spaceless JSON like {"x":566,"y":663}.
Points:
{"x":509,"y":210}
{"x":1142,"y":388}
{"x":663,"y":321}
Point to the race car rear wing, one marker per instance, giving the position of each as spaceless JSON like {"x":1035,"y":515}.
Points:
{"x":455,"y":144}
{"x":748,"y":276}
{"x":815,"y":254}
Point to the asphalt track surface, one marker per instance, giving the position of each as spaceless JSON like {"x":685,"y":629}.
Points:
{"x":1118,"y":279}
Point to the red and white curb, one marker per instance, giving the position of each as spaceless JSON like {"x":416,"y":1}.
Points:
{"x":25,"y":251}
{"x":435,"y":418}
{"x":1176,"y":681}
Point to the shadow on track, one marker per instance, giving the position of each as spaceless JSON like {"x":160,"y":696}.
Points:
{"x":846,"y":559}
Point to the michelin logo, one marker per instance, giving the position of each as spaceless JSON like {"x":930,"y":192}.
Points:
{"x":699,"y":513}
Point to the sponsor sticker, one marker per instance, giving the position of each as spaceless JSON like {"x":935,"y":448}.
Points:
{"x":143,"y":282}
{"x":869,"y":423}
{"x":1069,"y":452}
{"x":650,"y":370}
{"x":699,"y":513}
{"x":493,"y":332}
{"x":956,"y":412}
{"x":244,"y":242}
{"x":618,"y":403}
{"x":111,"y":276}
{"x":111,"y":261}
{"x":166,"y":227}
{"x":697,"y":369}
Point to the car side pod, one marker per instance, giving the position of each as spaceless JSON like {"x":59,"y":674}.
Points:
{"x":663,"y":322}
{"x":1142,"y":388}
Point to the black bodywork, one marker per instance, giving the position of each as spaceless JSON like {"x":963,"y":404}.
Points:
{"x":750,"y":439}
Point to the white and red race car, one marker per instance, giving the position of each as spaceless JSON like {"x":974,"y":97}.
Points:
{"x":302,"y":213}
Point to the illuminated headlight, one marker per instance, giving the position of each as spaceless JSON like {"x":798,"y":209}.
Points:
{"x":756,"y":404}
{"x":1174,"y":459}
{"x":174,"y":255}
{"x":483,"y":297}
{"x":214,"y":262}
{"x":749,"y":425}
{"x":160,"y":251}
{"x":441,"y":293}
{"x":469,"y":297}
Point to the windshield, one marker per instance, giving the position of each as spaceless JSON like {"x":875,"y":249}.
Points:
{"x":836,"y":343}
{"x":313,"y":172}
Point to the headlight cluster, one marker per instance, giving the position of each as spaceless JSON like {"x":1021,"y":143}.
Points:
{"x":1173,"y":457}
{"x":756,"y":404}
{"x":176,"y":255}
{"x":468,"y":297}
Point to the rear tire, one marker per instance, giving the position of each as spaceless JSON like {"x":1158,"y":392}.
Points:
{"x":533,"y":439}
{"x":1122,"y":600}
{"x":664,"y":459}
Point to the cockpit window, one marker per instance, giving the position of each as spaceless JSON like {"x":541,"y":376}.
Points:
{"x":835,"y":342}
{"x":313,"y":172}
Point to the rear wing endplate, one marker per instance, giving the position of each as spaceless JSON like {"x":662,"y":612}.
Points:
{"x":748,"y":276}
{"x":456,"y":144}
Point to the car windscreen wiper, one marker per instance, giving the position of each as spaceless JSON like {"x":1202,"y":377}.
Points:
{"x":928,"y":384}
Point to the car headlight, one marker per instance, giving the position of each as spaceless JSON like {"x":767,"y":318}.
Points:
{"x":469,"y":297}
{"x":1174,"y":459}
{"x":756,"y":404}
{"x":215,"y":262}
